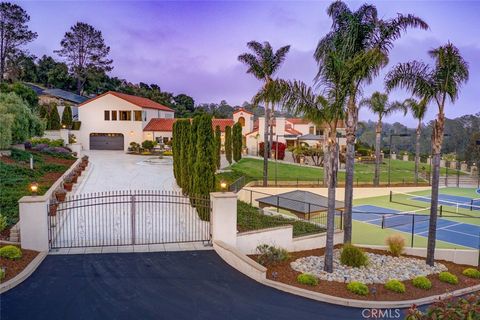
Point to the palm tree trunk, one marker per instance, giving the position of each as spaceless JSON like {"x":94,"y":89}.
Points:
{"x":417,"y":151}
{"x":332,"y":169}
{"x":437,"y":137}
{"x":266,"y":147}
{"x":351,"y":128}
{"x":378,"y":141}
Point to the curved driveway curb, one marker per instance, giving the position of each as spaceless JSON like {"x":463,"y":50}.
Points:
{"x":19,"y":278}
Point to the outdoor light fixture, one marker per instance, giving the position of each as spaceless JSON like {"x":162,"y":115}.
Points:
{"x":34,"y":188}
{"x":64,"y":126}
{"x":223,"y":186}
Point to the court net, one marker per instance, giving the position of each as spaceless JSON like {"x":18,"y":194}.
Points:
{"x":418,"y":201}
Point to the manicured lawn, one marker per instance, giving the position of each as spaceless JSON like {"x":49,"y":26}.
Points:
{"x":16,"y":175}
{"x":248,"y":219}
{"x":252,"y":169}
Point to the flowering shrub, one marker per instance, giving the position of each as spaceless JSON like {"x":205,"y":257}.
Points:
{"x":281,"y":149}
{"x":451,"y":309}
{"x":40,"y":147}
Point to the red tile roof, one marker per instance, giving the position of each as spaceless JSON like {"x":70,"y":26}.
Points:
{"x":138,"y":101}
{"x":293,"y":131}
{"x":297,"y":121}
{"x":242,"y":110}
{"x":162,"y":124}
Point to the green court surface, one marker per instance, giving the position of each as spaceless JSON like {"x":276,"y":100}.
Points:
{"x":365,"y":233}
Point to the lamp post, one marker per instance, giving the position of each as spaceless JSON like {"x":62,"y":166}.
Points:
{"x":390,"y":152}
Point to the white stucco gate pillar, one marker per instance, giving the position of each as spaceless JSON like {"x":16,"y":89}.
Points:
{"x":224,"y":217}
{"x":34,"y":222}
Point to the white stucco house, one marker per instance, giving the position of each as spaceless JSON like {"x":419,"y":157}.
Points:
{"x":112,"y":120}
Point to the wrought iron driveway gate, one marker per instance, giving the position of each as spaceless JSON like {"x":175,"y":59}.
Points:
{"x":128,"y":218}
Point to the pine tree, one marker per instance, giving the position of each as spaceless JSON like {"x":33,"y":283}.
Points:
{"x":228,"y":144}
{"x":218,"y":146}
{"x":67,"y":117}
{"x":237,"y":142}
{"x":204,"y":178}
{"x":53,"y":119}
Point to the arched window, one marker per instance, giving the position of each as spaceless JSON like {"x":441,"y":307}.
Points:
{"x":241,"y":120}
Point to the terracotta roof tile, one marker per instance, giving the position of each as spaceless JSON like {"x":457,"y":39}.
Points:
{"x":138,"y":101}
{"x":242,"y":110}
{"x":162,"y":124}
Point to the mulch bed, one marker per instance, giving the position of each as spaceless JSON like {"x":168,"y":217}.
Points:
{"x":285,"y":274}
{"x":14,"y":267}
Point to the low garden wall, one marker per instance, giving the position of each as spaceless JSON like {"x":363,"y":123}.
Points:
{"x":468,"y":257}
{"x":33,"y":216}
{"x":282,"y":237}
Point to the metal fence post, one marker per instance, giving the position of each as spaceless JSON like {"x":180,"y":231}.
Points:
{"x":132,"y":213}
{"x":413,"y":229}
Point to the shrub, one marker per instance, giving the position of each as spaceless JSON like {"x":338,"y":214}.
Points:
{"x":271,"y":254}
{"x":395,"y":286}
{"x":281,"y":149}
{"x":308,"y":279}
{"x":48,"y":142}
{"x":448,"y":277}
{"x":228,"y":144}
{"x":358,"y":288}
{"x":3,"y":222}
{"x":148,"y":144}
{"x":168,"y":153}
{"x":10,"y":252}
{"x":451,"y":308}
{"x":53,"y":119}
{"x":353,"y":256}
{"x":237,"y":142}
{"x":422,"y":283}
{"x":396,"y":244}
{"x":2,"y":274}
{"x":67,"y":117}
{"x":471,"y":273}
{"x":76,"y":125}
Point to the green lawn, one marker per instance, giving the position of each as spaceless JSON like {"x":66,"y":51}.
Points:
{"x":252,"y":169}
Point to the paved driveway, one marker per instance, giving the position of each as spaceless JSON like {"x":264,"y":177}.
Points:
{"x":168,"y":285}
{"x":115,"y":170}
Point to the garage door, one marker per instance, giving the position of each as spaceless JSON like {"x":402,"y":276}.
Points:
{"x":106,"y":141}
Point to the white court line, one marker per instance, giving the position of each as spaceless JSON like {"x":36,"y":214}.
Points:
{"x":459,"y":232}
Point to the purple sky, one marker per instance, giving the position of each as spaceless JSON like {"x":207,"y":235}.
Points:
{"x":192,"y":47}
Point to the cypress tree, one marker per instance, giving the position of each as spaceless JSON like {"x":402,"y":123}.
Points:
{"x":53,"y":119}
{"x":204,"y":178}
{"x":192,"y":154}
{"x":228,"y":144}
{"x":67,"y":117}
{"x":175,"y":150}
{"x":218,"y":146}
{"x":237,"y":142}
{"x":185,"y":170}
{"x":43,"y":111}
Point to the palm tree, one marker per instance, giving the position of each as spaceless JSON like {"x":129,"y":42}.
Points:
{"x":363,"y":41}
{"x":328,"y":110}
{"x":418,"y":109}
{"x":378,"y":103}
{"x":263,"y":63}
{"x":433,"y":83}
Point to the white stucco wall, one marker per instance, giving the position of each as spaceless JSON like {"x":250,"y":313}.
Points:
{"x":92,"y":117}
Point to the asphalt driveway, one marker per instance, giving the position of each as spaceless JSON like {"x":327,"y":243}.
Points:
{"x":167,"y":285}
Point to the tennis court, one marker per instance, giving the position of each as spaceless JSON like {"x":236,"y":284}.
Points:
{"x":454,"y":232}
{"x":455,"y":201}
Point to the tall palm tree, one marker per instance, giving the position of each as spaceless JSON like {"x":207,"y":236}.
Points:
{"x":364,"y":40}
{"x":263,"y":63}
{"x":378,"y":103}
{"x":433,"y":84}
{"x":418,"y":110}
{"x":328,"y":110}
